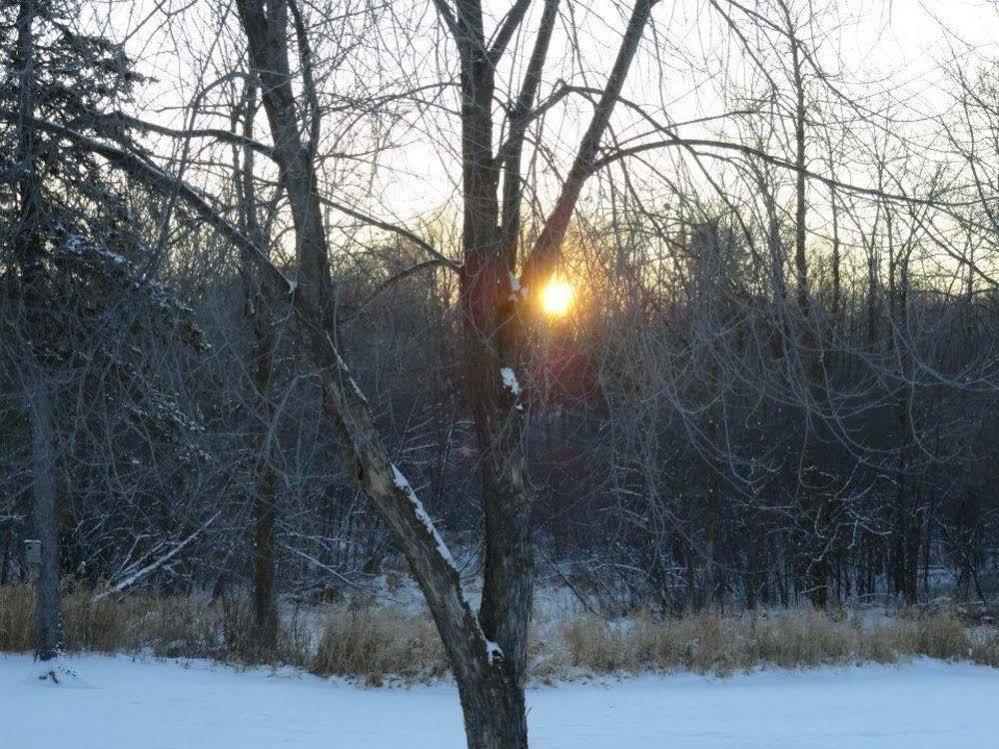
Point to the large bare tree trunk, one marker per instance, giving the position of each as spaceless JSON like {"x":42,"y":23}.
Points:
{"x":267,"y":30}
{"x":262,"y":299}
{"x":29,"y":249}
{"x":485,"y":287}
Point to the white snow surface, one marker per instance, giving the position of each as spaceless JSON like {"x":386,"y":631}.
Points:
{"x":118,"y":702}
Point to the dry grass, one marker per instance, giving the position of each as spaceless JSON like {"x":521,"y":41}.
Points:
{"x":17,"y":618}
{"x":168,"y":626}
{"x":709,"y":643}
{"x":377,"y":643}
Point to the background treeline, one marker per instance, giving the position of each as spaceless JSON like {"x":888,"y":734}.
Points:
{"x":678,"y":455}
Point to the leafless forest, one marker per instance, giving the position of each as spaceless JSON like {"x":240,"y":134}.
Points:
{"x":681,"y":305}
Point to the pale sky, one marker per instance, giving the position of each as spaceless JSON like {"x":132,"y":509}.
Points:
{"x":882,"y":49}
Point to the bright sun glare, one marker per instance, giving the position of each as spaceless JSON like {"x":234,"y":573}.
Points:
{"x":556,"y":297}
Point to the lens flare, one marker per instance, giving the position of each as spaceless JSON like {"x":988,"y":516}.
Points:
{"x":556,"y":298}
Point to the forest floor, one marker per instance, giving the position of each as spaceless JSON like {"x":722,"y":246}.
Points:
{"x":121,"y":702}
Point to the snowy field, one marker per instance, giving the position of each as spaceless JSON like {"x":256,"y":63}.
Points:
{"x":120,"y":703}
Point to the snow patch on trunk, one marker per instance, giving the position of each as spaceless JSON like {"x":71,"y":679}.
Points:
{"x":510,"y":383}
{"x":421,"y":514}
{"x":493,"y":652}
{"x":514,"y":287}
{"x":510,"y":380}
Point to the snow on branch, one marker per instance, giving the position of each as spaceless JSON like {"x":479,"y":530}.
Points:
{"x":155,"y":565}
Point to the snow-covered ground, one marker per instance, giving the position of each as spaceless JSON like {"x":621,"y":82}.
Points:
{"x":121,"y":703}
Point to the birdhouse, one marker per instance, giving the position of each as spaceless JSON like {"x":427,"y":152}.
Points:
{"x":33,"y":551}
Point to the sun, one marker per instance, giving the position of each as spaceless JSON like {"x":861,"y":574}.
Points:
{"x":556,"y":298}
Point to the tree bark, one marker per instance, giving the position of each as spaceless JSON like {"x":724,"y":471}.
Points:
{"x":48,"y":625}
{"x":28,"y":250}
{"x":262,"y":299}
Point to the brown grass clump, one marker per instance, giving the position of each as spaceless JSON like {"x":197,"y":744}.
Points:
{"x":376,"y":643}
{"x":942,"y":636}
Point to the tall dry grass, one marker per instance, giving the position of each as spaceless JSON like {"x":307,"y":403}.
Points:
{"x":17,"y":618}
{"x":166,"y":625}
{"x":709,"y":643}
{"x":376,"y":643}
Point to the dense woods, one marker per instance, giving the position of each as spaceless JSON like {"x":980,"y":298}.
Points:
{"x":269,"y":303}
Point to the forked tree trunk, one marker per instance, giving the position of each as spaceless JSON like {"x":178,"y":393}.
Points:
{"x":494,"y":338}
